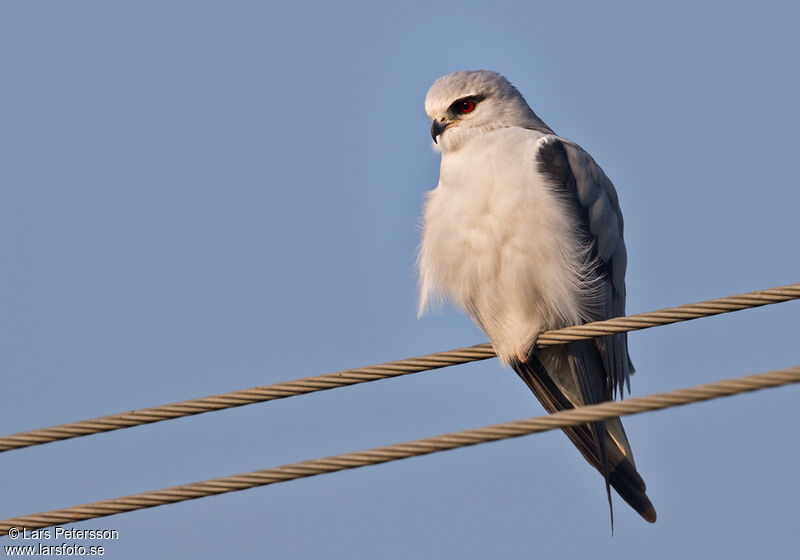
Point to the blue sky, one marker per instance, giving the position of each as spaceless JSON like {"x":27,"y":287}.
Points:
{"x":199,"y":197}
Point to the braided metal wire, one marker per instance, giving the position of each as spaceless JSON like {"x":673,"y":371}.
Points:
{"x":405,"y":450}
{"x":391,"y":369}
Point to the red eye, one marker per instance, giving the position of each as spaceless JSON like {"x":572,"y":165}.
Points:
{"x":466,"y":106}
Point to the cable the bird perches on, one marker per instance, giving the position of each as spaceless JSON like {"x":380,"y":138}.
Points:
{"x":392,"y":369}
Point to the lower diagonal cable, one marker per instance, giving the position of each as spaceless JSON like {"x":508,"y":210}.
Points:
{"x":398,"y":451}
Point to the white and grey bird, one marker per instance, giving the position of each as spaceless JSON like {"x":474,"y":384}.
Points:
{"x":524,"y":232}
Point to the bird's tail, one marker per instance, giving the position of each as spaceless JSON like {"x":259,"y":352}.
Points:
{"x":603,"y":444}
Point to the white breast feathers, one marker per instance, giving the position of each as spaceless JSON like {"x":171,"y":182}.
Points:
{"x":499,"y":242}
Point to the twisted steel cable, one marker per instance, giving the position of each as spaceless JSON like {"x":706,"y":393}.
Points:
{"x":405,"y":450}
{"x":392,"y":369}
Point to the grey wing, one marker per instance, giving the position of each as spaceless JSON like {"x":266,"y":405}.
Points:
{"x":586,"y":189}
{"x":595,"y":369}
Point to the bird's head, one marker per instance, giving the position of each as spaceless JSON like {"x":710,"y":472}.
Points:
{"x":466,"y":104}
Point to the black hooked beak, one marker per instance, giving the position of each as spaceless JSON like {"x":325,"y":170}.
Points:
{"x":437,"y":127}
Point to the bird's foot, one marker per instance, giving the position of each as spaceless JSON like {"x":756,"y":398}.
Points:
{"x":523,"y":355}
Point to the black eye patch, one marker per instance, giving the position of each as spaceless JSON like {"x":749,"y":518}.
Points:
{"x":465,"y":105}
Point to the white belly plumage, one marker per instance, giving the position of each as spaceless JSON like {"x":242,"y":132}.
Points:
{"x":499,"y":243}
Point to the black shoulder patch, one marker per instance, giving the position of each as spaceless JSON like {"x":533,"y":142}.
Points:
{"x":553,"y":163}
